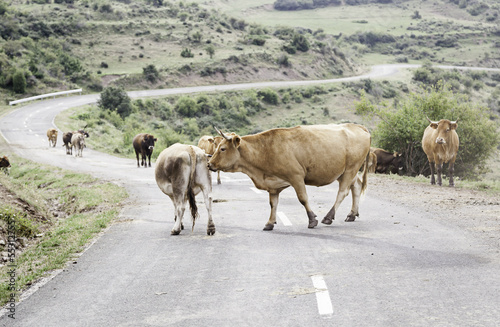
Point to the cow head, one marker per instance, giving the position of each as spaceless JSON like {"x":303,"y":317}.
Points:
{"x":227,"y":153}
{"x":149,"y":141}
{"x":397,"y":162}
{"x":443,"y":128}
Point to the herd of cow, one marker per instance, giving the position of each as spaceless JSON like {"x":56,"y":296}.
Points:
{"x":275,"y":159}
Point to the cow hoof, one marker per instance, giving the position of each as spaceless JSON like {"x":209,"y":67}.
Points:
{"x":269,"y":227}
{"x":327,"y":221}
{"x":313,"y":223}
{"x":211,"y":231}
{"x":175,"y":232}
{"x":351,"y":217}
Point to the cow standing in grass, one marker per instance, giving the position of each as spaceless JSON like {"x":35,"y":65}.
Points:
{"x":4,"y":164}
{"x":181,"y":172}
{"x":440,"y":143}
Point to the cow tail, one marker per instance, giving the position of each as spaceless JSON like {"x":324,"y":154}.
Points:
{"x":364,"y":182}
{"x":190,"y":193}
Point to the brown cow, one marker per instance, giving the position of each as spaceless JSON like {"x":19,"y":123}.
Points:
{"x":5,"y":164}
{"x":440,"y":143}
{"x":144,"y":144}
{"x":181,"y":172}
{"x":209,"y":144}
{"x":52,"y":136}
{"x":78,"y":143}
{"x":304,"y":155}
{"x":387,"y":160}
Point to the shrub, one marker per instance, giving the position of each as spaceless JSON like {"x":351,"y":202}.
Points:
{"x":150,"y":73}
{"x":268,"y":96}
{"x":115,"y":99}
{"x":186,"y":106}
{"x":401,"y":129}
{"x":186,"y":53}
{"x":19,"y":82}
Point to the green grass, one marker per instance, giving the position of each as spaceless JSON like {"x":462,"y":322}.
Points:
{"x":84,"y":204}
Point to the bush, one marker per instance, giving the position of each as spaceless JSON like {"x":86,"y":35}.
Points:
{"x":115,"y":99}
{"x":186,"y":53}
{"x":19,"y":82}
{"x":401,"y":129}
{"x":268,"y":96}
{"x":150,"y":73}
{"x":186,"y":106}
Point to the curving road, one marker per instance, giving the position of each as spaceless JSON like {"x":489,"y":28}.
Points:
{"x":394,"y":266}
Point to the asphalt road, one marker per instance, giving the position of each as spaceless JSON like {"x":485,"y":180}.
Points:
{"x":393,"y":266}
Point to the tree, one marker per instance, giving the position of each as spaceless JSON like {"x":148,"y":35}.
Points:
{"x":401,"y":129}
{"x":19,"y":82}
{"x":150,"y":73}
{"x":115,"y":99}
{"x":210,"y":51}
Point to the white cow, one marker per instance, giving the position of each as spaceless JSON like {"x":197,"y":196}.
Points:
{"x":181,"y":172}
{"x":77,"y":143}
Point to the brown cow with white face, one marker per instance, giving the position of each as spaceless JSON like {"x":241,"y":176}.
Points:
{"x":304,"y":155}
{"x":181,"y":172}
{"x":440,"y":143}
{"x":52,"y":136}
{"x":209,"y":145}
{"x":144,"y":145}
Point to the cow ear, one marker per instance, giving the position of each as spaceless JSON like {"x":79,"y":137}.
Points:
{"x":155,"y":139}
{"x":211,"y":140}
{"x":236,"y":141}
{"x":434,"y":125}
{"x":453,"y":125}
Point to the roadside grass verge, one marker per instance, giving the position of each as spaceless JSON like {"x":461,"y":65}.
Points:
{"x":56,"y":214}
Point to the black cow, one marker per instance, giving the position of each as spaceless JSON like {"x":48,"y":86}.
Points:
{"x":4,"y":164}
{"x":144,"y":144}
{"x":387,"y":160}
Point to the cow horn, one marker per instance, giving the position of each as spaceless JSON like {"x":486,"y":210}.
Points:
{"x":222,"y":134}
{"x":456,"y":121}
{"x":430,"y":121}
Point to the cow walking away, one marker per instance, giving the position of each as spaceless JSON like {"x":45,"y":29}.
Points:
{"x":209,"y":145}
{"x":78,"y":143}
{"x":144,"y":145}
{"x":67,"y":139}
{"x":181,"y":172}
{"x":387,"y":161}
{"x":304,"y":155}
{"x":440,"y":143}
{"x":5,"y":164}
{"x":52,"y":136}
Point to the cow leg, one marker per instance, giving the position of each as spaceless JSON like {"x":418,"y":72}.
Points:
{"x":433,"y":180}
{"x":149,"y":159}
{"x":137,"y":157}
{"x":218,"y":177}
{"x":300,"y":189}
{"x":439,"y":169}
{"x":345,"y":182}
{"x":208,"y":205}
{"x":274,"y":197}
{"x":356,"y":195}
{"x":180,"y":207}
{"x":451,"y":170}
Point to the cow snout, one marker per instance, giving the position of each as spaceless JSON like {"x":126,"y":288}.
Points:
{"x":440,"y":140}
{"x":211,"y":167}
{"x":151,"y":147}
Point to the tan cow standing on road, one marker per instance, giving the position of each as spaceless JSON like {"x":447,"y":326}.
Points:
{"x":209,"y":145}
{"x":78,"y":143}
{"x":52,"y":136}
{"x":304,"y":155}
{"x":440,"y":143}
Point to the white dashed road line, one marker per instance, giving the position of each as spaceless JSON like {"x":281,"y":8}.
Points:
{"x":322,"y":295}
{"x":284,"y":219}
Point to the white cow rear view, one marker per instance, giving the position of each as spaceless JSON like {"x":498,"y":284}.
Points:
{"x":181,"y":172}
